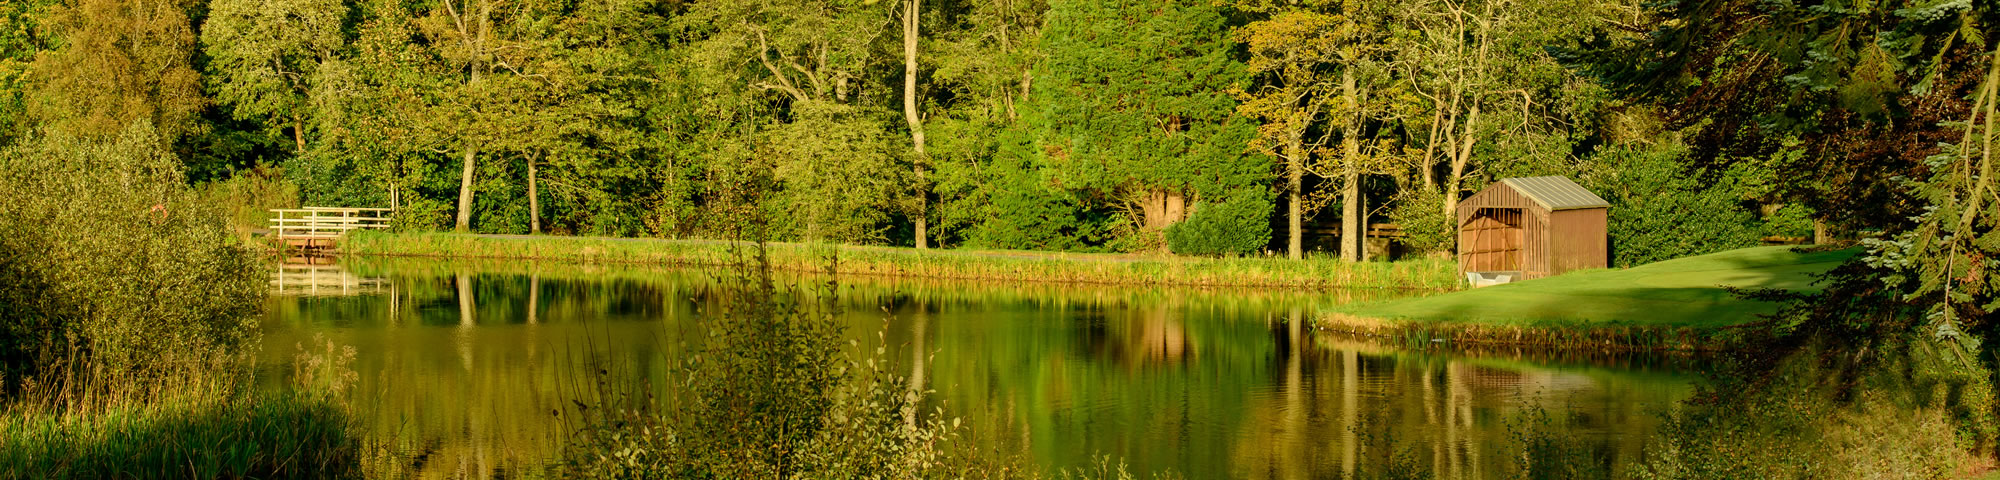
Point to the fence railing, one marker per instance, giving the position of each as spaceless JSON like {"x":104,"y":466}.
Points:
{"x":314,"y":223}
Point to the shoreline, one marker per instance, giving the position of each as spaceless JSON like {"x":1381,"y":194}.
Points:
{"x":1320,"y":273}
{"x":1674,"y":339}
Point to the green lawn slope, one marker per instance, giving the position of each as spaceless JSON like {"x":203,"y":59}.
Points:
{"x":1675,"y":295}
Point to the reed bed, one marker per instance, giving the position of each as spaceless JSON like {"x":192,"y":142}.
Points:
{"x":269,"y":436}
{"x":1317,"y":272}
{"x":1551,"y":335}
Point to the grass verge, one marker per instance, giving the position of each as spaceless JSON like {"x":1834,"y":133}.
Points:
{"x":1680,"y":304}
{"x":271,"y":436}
{"x":989,"y":265}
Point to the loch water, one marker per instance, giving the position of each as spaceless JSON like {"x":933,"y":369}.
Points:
{"x":462,"y":369}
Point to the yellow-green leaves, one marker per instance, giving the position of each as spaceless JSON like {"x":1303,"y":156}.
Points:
{"x":264,"y":57}
{"x":121,"y":61}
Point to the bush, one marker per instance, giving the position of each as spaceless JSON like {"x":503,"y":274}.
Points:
{"x":1662,"y":210}
{"x":1239,"y":225}
{"x":248,"y":197}
{"x":111,"y":268}
{"x":1791,"y":220}
{"x":1426,"y":226}
{"x":1027,"y":214}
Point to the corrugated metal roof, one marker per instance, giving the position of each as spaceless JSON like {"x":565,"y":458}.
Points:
{"x":1556,"y":193}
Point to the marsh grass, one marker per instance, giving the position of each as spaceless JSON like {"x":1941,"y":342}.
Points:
{"x":198,"y":421}
{"x":265,"y":436}
{"x":1550,"y":336}
{"x":1316,"y":272}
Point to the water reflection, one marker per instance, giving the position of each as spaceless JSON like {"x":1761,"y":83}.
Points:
{"x":463,"y":365}
{"x":312,"y":279}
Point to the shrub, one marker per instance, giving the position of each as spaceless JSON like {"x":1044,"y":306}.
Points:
{"x":1426,"y":226}
{"x":111,"y":267}
{"x":1661,"y":209}
{"x":1027,"y":214}
{"x":248,"y":197}
{"x":1790,"y":220}
{"x":1239,"y":225}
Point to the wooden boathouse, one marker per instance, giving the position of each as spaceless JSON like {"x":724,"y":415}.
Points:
{"x":1533,"y":227}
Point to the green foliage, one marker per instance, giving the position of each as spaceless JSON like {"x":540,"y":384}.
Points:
{"x":1849,"y":98}
{"x":118,"y":62}
{"x":1313,"y":273}
{"x":1135,"y":98}
{"x":246,"y":199}
{"x":1790,"y":220}
{"x":127,"y":318}
{"x":1663,"y":209}
{"x":112,"y":263}
{"x":1236,"y":226}
{"x":264,"y":56}
{"x":1426,"y":226}
{"x":21,"y":37}
{"x":840,"y":177}
{"x":1025,"y":213}
{"x":1893,"y":416}
{"x":1548,"y":454}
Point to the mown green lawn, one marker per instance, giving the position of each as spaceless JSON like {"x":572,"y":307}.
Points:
{"x":1684,"y":292}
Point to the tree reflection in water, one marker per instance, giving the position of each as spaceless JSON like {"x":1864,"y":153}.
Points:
{"x":461,"y":365}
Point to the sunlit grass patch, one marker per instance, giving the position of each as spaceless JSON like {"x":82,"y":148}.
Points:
{"x":1676,"y":304}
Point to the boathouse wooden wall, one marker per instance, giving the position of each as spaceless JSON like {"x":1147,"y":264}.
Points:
{"x":1503,"y":230}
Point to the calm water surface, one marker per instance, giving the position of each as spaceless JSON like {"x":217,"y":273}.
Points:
{"x":461,"y":366}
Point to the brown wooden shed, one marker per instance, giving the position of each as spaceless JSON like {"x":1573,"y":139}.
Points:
{"x":1532,"y":227}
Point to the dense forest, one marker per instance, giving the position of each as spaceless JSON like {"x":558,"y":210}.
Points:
{"x":1203,"y":127}
{"x":1193,"y":127}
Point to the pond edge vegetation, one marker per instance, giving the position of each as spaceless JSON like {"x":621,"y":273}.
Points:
{"x":1561,"y":337}
{"x":1106,"y":269}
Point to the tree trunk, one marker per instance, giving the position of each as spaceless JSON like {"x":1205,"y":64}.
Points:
{"x":465,"y":189}
{"x":299,"y":134}
{"x":1460,"y":160}
{"x":1350,"y":198}
{"x":1294,"y":194}
{"x":1427,"y":165}
{"x":1154,"y":208}
{"x":474,"y":38}
{"x":922,"y":216}
{"x":534,"y":199}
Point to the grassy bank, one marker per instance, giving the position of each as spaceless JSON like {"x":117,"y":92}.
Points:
{"x":1680,"y":304}
{"x":271,"y":436}
{"x":989,"y":265}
